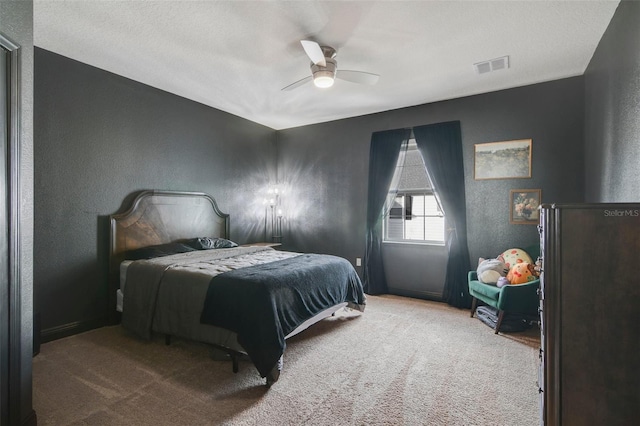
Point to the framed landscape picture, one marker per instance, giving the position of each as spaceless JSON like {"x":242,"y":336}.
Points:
{"x":524,"y":206}
{"x":502,"y":160}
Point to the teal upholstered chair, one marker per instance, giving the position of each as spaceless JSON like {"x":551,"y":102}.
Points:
{"x":517,"y":299}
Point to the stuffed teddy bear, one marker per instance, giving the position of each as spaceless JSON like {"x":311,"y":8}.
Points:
{"x":521,"y":273}
{"x":490,"y":270}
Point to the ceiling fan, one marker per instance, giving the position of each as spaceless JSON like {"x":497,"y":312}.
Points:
{"x":324,"y":68}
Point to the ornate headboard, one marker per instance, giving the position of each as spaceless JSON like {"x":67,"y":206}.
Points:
{"x":158,"y":217}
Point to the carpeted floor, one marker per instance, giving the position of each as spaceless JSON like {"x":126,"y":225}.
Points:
{"x":403,"y":362}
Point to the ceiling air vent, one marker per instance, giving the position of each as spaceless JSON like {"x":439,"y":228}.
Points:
{"x":492,"y":65}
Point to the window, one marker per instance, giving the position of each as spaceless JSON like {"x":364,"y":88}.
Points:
{"x":414,"y":215}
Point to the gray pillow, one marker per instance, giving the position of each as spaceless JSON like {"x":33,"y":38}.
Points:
{"x":208,"y":243}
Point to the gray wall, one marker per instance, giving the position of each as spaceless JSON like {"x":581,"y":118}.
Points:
{"x":99,"y":138}
{"x":93,"y":126}
{"x":16,"y":22}
{"x":326,"y":166}
{"x":612,"y":111}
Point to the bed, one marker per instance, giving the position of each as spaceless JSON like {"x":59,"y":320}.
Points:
{"x":176,"y":272}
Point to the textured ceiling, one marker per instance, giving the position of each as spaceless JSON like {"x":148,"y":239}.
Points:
{"x":236,"y":56}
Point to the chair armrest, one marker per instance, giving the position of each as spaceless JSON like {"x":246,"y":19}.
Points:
{"x":473,"y":275}
{"x":522,"y":298}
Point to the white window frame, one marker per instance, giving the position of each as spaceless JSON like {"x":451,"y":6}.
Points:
{"x":404,"y":240}
{"x":404,"y":219}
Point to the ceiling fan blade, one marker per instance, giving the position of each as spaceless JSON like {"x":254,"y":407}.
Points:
{"x":314,"y":52}
{"x":297,"y":83}
{"x":360,"y":77}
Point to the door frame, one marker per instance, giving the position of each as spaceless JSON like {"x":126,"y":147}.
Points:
{"x":10,"y":291}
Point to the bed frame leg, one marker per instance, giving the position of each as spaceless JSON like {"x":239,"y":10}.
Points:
{"x":234,"y":355}
{"x":234,"y":361}
{"x":167,"y":339}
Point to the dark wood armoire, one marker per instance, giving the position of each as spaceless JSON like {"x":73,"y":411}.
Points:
{"x":590,"y":314}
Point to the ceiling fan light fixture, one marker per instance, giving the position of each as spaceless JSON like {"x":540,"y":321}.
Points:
{"x":323,"y":79}
{"x":324,"y":69}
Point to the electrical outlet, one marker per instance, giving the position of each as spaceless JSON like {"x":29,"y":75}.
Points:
{"x":358,"y":261}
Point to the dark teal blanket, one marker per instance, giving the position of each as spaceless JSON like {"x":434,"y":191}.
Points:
{"x":264,"y":303}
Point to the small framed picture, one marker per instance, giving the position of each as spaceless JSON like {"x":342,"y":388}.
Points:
{"x":502,"y":160}
{"x":524,"y":206}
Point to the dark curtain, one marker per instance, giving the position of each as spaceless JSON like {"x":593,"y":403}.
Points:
{"x":383,"y":156}
{"x":441,"y":148}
